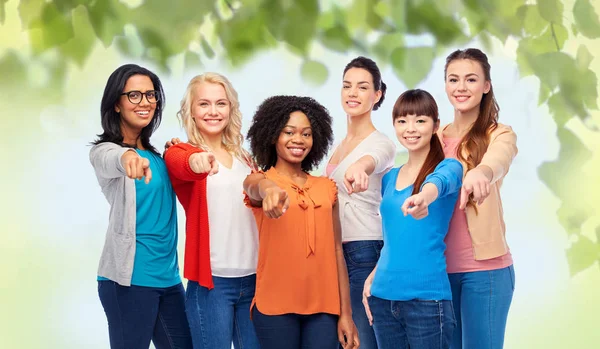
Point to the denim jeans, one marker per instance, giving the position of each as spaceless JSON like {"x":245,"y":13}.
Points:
{"x":137,"y":315}
{"x":481,"y":303}
{"x":294,"y":331}
{"x":221,"y":316}
{"x":414,"y":324}
{"x":361,"y":257}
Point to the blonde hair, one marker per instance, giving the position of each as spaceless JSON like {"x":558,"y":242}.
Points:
{"x":231,"y":138}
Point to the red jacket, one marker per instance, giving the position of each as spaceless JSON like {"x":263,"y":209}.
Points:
{"x":190,"y":189}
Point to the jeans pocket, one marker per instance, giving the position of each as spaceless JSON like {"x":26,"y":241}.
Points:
{"x":365,"y":255}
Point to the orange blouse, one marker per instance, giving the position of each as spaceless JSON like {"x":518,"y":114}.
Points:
{"x":297,"y":268}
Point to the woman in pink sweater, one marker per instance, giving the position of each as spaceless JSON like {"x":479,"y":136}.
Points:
{"x":480,"y":266}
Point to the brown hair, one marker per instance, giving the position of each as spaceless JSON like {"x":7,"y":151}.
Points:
{"x":477,"y":139}
{"x":420,"y":102}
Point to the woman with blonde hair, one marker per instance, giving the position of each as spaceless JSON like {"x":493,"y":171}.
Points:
{"x":221,"y":246}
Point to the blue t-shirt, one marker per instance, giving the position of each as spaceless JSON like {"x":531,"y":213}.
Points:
{"x":412,"y":264}
{"x":155,"y":263}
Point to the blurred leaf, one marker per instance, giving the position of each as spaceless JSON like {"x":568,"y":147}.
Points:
{"x":386,"y":44}
{"x":559,"y":176}
{"x":412,"y":64}
{"x":582,"y":254}
{"x":398,"y":14}
{"x":426,"y":18}
{"x":208,"y":51}
{"x":2,"y":11}
{"x":300,"y":24}
{"x":584,"y":57}
{"x":544,"y":93}
{"x":130,"y":44}
{"x":192,"y":60}
{"x":30,"y":10}
{"x":314,"y":72}
{"x":108,"y":17}
{"x":551,"y":10}
{"x":80,"y":46}
{"x":574,"y":29}
{"x":336,"y":39}
{"x":558,"y":108}
{"x":531,"y":20}
{"x":243,"y":35}
{"x":50,"y":29}
{"x":586,"y":19}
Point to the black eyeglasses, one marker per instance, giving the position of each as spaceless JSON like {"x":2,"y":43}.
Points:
{"x":135,"y":97}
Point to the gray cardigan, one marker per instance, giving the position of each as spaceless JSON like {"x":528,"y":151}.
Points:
{"x":116,"y":262}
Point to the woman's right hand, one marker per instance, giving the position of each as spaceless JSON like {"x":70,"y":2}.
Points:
{"x":366,"y":295}
{"x":204,"y":162}
{"x":136,"y":167}
{"x":172,"y":142}
{"x":275,"y":202}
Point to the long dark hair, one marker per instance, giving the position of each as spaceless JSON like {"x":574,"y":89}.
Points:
{"x":477,"y":139}
{"x":370,"y":66}
{"x":111,"y":120}
{"x":420,"y":102}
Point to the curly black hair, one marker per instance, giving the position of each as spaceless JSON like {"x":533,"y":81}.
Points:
{"x":271,"y":117}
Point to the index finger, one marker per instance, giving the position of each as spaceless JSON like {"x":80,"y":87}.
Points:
{"x":464,"y":197}
{"x":148,"y":175}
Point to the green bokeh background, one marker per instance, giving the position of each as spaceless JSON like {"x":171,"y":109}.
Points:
{"x":55,"y":57}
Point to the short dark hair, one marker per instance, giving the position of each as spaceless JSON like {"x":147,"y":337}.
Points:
{"x":370,"y":66}
{"x":111,"y":120}
{"x":271,"y":117}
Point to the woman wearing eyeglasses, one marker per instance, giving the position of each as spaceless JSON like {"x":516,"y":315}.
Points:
{"x":138,"y":277}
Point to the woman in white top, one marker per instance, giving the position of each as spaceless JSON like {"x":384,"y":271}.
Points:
{"x":221,"y":235}
{"x":357,"y":166}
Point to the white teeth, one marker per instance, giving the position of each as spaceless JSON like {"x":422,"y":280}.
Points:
{"x":296,"y":151}
{"x":352,"y":104}
{"x":142,"y":112}
{"x":213,"y":121}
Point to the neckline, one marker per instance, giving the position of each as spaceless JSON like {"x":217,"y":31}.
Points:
{"x":350,"y":153}
{"x":288,"y":180}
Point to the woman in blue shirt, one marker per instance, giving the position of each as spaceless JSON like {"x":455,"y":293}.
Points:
{"x":407,"y":297}
{"x":138,"y":277}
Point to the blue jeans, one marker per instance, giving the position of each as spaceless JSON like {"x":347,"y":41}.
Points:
{"x":221,"y":316}
{"x":294,"y":331}
{"x":137,"y":314}
{"x":481,"y":303}
{"x":361,"y":257}
{"x":414,"y":324}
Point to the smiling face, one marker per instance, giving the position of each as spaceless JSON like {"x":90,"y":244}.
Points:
{"x":134,"y":117}
{"x":358,"y":92}
{"x":415,"y":131}
{"x":465,"y":85}
{"x":210,"y":108}
{"x":295,"y":140}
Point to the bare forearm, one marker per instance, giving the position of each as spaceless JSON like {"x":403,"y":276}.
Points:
{"x":344,"y":284}
{"x":429,"y":193}
{"x":256,"y":185}
{"x":366,"y":163}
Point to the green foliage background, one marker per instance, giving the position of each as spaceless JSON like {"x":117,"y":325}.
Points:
{"x":556,"y":44}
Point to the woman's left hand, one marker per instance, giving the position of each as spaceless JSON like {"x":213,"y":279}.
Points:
{"x":476,"y":183}
{"x":347,"y":332}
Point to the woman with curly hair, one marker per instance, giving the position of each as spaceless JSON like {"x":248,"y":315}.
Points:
{"x":302,"y":295}
{"x":221,"y":253}
{"x":358,"y":165}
